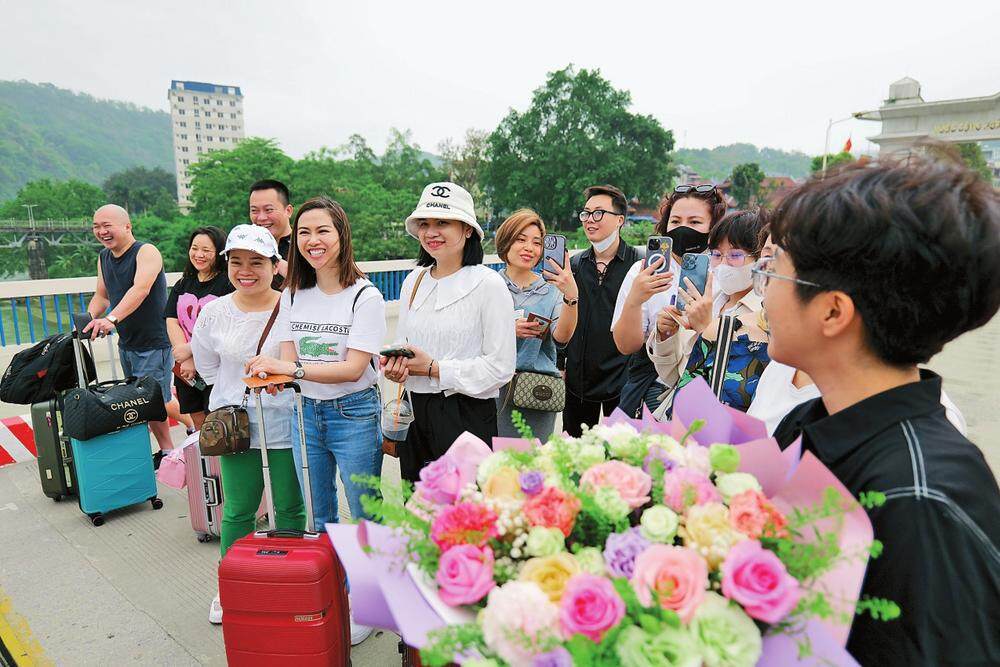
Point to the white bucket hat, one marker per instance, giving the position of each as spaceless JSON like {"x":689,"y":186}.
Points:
{"x":253,"y":238}
{"x":444,"y":201}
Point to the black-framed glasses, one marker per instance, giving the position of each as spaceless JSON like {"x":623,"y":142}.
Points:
{"x":700,"y":189}
{"x":762,"y":275}
{"x":595,"y":215}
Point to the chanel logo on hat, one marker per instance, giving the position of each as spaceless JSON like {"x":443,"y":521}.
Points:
{"x":440,"y":191}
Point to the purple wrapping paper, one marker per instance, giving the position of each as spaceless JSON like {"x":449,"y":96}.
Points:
{"x":783,"y":650}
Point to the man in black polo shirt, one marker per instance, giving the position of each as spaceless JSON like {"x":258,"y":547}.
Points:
{"x":595,"y":369}
{"x":879,"y":266}
{"x":271,"y":208}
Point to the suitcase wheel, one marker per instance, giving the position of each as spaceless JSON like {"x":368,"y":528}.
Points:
{"x":156,"y":503}
{"x":97,"y":519}
{"x":56,"y":499}
{"x":204,"y":537}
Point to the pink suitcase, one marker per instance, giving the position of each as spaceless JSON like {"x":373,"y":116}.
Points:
{"x":203,"y":476}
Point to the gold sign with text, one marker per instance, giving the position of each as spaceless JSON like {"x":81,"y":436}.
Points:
{"x":951,"y":128}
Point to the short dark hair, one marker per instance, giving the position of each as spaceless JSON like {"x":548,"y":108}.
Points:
{"x":742,"y":229}
{"x":218,"y":238}
{"x":472,"y":253}
{"x":716,"y":201}
{"x":914,"y":243}
{"x":301,"y":274}
{"x":271,"y":184}
{"x":617,"y":196}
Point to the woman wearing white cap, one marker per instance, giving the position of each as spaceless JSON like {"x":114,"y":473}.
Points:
{"x":454,"y":315}
{"x":225,"y":337}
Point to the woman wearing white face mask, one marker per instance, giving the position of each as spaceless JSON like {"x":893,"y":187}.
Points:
{"x":683,"y":345}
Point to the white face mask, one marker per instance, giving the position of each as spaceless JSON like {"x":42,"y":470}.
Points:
{"x":601,"y":246}
{"x":732,"y":279}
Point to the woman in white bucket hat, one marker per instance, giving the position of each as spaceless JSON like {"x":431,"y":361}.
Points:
{"x":455,"y":316}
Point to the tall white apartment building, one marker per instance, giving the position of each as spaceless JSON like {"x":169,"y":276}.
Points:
{"x":205,"y":117}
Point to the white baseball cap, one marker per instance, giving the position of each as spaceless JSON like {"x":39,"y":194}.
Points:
{"x":253,"y":238}
{"x":444,"y":201}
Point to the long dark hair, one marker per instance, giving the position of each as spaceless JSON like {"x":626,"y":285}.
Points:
{"x":301,"y":275}
{"x":218,"y":238}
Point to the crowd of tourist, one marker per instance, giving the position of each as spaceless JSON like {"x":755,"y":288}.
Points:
{"x":836,"y":297}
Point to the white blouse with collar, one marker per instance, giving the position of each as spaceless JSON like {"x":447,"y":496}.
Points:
{"x":465,"y":322}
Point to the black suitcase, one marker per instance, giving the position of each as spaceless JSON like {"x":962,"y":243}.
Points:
{"x":55,"y":456}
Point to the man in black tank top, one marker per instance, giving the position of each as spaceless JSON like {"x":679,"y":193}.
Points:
{"x":130,"y":281}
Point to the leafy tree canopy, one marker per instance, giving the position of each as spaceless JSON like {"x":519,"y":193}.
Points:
{"x":746,"y":180}
{"x":140,"y":190}
{"x":833,"y":160}
{"x":56,"y":200}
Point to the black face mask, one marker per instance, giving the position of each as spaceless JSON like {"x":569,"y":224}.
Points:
{"x":688,"y":239}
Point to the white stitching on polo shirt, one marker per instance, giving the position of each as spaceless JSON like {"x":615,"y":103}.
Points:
{"x":913,"y":462}
{"x":920,"y":454}
{"x":953,"y":509}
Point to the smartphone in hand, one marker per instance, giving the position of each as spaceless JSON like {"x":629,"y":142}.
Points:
{"x":694,"y":267}
{"x":658,"y":246}
{"x":398,"y":352}
{"x":554,"y":248}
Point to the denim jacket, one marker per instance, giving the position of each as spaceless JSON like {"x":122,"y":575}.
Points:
{"x":536,"y":354}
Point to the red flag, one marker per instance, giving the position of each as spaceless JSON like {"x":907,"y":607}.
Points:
{"x":847,"y":146}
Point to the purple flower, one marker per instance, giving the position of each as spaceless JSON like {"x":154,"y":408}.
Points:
{"x":621,"y":550}
{"x":657,"y":453}
{"x":532,"y":482}
{"x":557,"y":657}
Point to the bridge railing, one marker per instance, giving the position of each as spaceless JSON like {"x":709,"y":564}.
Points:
{"x":31,"y":310}
{"x":45,"y":225}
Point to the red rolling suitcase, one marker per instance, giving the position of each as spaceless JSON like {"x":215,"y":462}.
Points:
{"x":283,"y":592}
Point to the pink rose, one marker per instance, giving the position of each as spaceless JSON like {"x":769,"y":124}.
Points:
{"x":752,"y":514}
{"x":683,"y":487}
{"x":465,"y":523}
{"x":465,"y":574}
{"x":553,"y":508}
{"x":631,"y":483}
{"x":440,"y":481}
{"x":757,"y":579}
{"x":676,"y":577}
{"x":590,"y":606}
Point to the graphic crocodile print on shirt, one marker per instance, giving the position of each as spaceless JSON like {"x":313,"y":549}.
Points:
{"x":314,"y":347}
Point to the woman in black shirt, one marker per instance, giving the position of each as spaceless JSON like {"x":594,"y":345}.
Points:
{"x":204,"y":280}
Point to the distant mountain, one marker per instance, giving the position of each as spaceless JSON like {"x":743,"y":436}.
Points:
{"x":49,"y":132}
{"x":717,"y":163}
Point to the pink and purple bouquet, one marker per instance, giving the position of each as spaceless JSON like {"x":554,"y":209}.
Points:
{"x":639,"y":543}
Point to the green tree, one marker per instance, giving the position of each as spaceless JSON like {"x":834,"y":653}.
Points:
{"x":139,"y":189}
{"x":56,"y":200}
{"x":972,"y":155}
{"x":221,"y":179}
{"x":832,"y":160}
{"x":746,"y":180}
{"x":578,"y":131}
{"x":465,"y":164}
{"x":72,"y":261}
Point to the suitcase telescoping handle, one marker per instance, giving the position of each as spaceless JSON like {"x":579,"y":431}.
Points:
{"x":80,"y":322}
{"x":307,"y":491}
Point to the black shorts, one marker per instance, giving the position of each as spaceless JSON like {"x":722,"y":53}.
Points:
{"x":191,"y":399}
{"x":437,"y":421}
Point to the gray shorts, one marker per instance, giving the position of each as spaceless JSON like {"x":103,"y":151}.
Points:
{"x":157,"y":364}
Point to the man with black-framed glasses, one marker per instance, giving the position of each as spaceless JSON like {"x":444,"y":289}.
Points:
{"x":880,"y":266}
{"x":595,"y":369}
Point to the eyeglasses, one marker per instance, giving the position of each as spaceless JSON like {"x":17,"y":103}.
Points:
{"x":733,"y":257}
{"x":700,"y":189}
{"x":596,"y":215}
{"x":762,"y":275}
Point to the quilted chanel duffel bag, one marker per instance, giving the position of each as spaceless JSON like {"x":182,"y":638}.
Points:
{"x":537,"y":391}
{"x":110,"y":406}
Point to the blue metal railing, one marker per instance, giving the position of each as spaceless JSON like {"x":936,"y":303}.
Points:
{"x":28,"y":319}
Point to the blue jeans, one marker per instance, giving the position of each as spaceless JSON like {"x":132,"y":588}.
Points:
{"x":343,"y":432}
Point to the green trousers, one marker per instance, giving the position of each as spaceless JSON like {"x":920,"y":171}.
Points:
{"x":243,"y":488}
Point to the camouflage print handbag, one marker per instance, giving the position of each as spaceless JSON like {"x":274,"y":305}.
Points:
{"x":537,"y":391}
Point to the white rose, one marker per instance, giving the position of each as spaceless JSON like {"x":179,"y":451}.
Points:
{"x":735,"y":483}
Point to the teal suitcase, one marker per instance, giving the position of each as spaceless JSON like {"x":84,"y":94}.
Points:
{"x":114,"y":471}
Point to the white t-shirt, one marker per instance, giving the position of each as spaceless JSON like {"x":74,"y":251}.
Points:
{"x":325,"y":326}
{"x":223,"y":341}
{"x":653,"y":305}
{"x":776,"y":396}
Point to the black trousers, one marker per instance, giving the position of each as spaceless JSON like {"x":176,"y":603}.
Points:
{"x":581,"y":411}
{"x":438,"y":420}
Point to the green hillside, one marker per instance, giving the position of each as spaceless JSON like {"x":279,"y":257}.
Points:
{"x":717,"y":163}
{"x":49,"y":132}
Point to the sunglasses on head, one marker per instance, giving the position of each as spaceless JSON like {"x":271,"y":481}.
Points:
{"x":700,"y":189}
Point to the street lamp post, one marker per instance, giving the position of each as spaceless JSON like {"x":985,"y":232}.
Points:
{"x":826,"y":143}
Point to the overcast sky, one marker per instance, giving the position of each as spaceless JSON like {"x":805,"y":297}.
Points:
{"x":312,"y":73}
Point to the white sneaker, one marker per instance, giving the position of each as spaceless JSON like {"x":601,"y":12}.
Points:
{"x":215,"y":612}
{"x":359,"y":632}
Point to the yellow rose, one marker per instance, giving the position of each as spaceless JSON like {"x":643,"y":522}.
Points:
{"x":503,"y":483}
{"x":550,"y":573}
{"x":706,"y":529}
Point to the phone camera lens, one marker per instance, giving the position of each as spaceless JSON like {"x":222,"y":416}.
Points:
{"x":550,"y":243}
{"x":654,"y":244}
